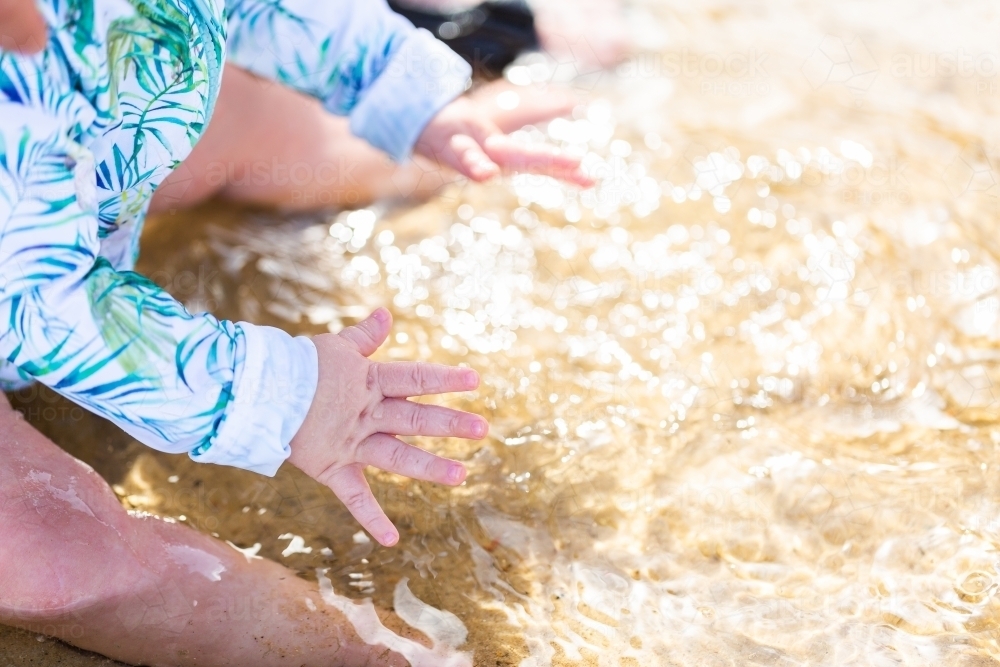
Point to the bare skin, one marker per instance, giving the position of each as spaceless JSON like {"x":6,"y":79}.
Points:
{"x":149,"y":597}
{"x":163,"y":594}
{"x":360,"y":402}
{"x":22,"y":28}
{"x":302,"y":158}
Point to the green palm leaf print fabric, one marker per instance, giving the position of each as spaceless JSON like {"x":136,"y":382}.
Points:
{"x":92,"y":125}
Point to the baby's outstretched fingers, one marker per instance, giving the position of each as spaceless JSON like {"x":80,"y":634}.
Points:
{"x":370,"y":333}
{"x":466,"y":156}
{"x":361,"y":404}
{"x":463,"y":137}
{"x":349,"y":484}
{"x":393,"y":455}
{"x":401,"y":417}
{"x":516,"y":156}
{"x":402,"y":379}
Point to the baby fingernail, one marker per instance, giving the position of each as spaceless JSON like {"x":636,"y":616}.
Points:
{"x":479,"y":429}
{"x":389,"y":539}
{"x":455,"y":473}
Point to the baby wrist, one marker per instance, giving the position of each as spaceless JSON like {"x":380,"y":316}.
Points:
{"x":272,"y":392}
{"x":420,"y":79}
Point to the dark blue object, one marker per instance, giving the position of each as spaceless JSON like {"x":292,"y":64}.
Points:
{"x":489,"y":36}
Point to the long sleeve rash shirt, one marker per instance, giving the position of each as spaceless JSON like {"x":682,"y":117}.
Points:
{"x":93,"y":124}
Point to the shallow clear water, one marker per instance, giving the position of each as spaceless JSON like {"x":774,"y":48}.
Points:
{"x":743,"y":395}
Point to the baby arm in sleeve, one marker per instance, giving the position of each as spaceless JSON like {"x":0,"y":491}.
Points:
{"x":359,"y":58}
{"x":116,"y":343}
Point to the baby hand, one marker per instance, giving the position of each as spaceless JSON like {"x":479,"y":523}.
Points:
{"x":360,"y":405}
{"x":463,"y":137}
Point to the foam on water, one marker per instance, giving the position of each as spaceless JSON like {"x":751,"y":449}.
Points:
{"x":441,"y":627}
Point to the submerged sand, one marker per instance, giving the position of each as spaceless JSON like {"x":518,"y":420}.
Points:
{"x":744,"y":395}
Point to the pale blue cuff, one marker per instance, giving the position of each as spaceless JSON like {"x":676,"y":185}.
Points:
{"x":272,"y":392}
{"x":420,"y":79}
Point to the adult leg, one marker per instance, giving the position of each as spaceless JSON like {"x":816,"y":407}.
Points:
{"x":75,"y":565}
{"x":270,"y":145}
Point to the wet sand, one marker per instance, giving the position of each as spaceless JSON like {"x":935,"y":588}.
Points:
{"x":743,"y":395}
{"x":23,"y":649}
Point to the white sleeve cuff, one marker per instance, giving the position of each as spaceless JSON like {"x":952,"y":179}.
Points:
{"x":272,"y":392}
{"x":420,"y":79}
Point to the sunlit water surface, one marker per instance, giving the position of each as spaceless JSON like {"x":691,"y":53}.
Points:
{"x":742,"y":393}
